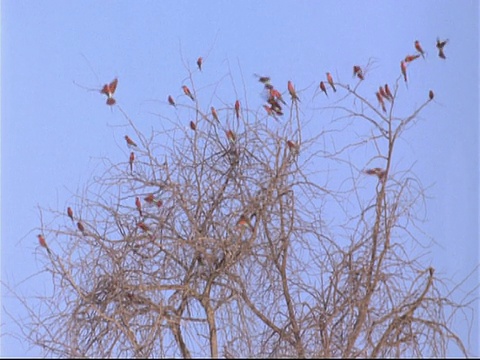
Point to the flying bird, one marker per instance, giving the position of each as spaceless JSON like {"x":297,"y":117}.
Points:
{"x":263,"y":79}
{"x":323,"y":87}
{"x":199,"y":63}
{"x":379,"y":172}
{"x":187,"y":92}
{"x":330,"y":81}
{"x":291,"y":90}
{"x":418,"y":47}
{"x":43,"y":243}
{"x":403,"y":66}
{"x":131,"y":160}
{"x":410,"y":58}
{"x":109,"y":90}
{"x":237,"y":109}
{"x":357,"y":70}
{"x":70,"y":213}
{"x":440,"y":45}
{"x":130,"y":142}
{"x":171,"y":101}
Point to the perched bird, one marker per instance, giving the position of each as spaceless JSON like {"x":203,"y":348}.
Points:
{"x":383,"y":93}
{"x":81,"y":228}
{"x":293,"y":147}
{"x":357,"y":71}
{"x":268,"y":109}
{"x":440,"y":45}
{"x":418,"y":47}
{"x":214,"y":113}
{"x":109,"y":90}
{"x":138,"y":204}
{"x":387,"y":91}
{"x":431,"y":95}
{"x":323,"y":87}
{"x":380,"y":100}
{"x":171,"y":101}
{"x":150,"y":198}
{"x":410,"y":58}
{"x":70,"y":213}
{"x":187,"y":92}
{"x":379,"y":172}
{"x":143,"y":226}
{"x":231,"y":136}
{"x":43,"y":243}
{"x":130,"y":142}
{"x":403,"y":66}
{"x":291,"y":90}
{"x":330,"y":81}
{"x":131,"y":160}
{"x":237,"y":109}
{"x":193,"y":126}
{"x":275,"y":94}
{"x":199,"y":63}
{"x":243,"y":222}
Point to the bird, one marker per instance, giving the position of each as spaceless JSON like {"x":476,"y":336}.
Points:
{"x":403,"y":66}
{"x":357,"y":70}
{"x":275,"y":94}
{"x":138,"y":204}
{"x":410,"y":58}
{"x":214,"y":113}
{"x":387,"y":91}
{"x":109,"y":90}
{"x":150,"y":198}
{"x":43,"y":243}
{"x":243,"y":222}
{"x":171,"y":101}
{"x":293,"y":147}
{"x":268,"y":109}
{"x":237,"y":109}
{"x":323,"y":87}
{"x":291,"y":90}
{"x":379,"y":172}
{"x":70,"y":213}
{"x":440,"y":45}
{"x":130,"y":142}
{"x":187,"y":92}
{"x":193,"y":126}
{"x":263,"y":79}
{"x":418,"y":47}
{"x":431,"y":95}
{"x":81,"y":228}
{"x":382,"y":92}
{"x":199,"y":63}
{"x":380,"y":100}
{"x":131,"y":160}
{"x":330,"y":81}
{"x":231,"y":136}
{"x":143,"y":226}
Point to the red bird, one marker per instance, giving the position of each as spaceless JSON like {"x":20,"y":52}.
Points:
{"x":243,"y":222}
{"x":357,"y":70}
{"x":410,"y":58}
{"x":214,"y":113}
{"x":193,"y":126}
{"x":268,"y":109}
{"x":380,"y":100}
{"x":130,"y":142}
{"x":403,"y":66}
{"x":138,"y":204}
{"x":131,"y":160}
{"x":275,"y":94}
{"x":81,"y":228}
{"x":70,"y":213}
{"x":387,"y":91}
{"x":323,"y":87}
{"x":143,"y":226}
{"x":418,"y":47}
{"x":431,"y":95}
{"x":293,"y":147}
{"x":151,"y":199}
{"x":237,"y":109}
{"x":199,"y":63}
{"x":376,"y":171}
{"x":440,"y":45}
{"x":383,"y":93}
{"x":171,"y":101}
{"x":291,"y":90}
{"x":330,"y":81}
{"x":231,"y":136}
{"x":43,"y":243}
{"x":187,"y":92}
{"x":109,"y":90}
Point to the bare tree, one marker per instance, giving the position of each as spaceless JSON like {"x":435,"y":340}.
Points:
{"x":250,"y":235}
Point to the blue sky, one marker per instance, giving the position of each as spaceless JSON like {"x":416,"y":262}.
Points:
{"x":53,"y":133}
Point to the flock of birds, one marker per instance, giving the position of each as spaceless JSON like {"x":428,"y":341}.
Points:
{"x":273,"y":108}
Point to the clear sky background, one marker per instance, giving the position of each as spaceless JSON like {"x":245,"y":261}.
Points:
{"x":54,"y":132}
